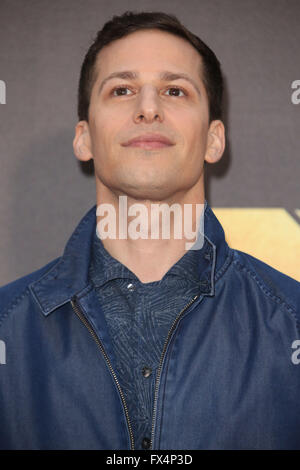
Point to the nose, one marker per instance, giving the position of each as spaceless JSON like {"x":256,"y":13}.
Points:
{"x":148,"y":106}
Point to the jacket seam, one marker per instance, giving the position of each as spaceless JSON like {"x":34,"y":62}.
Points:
{"x":160,"y":411}
{"x":168,"y":355}
{"x":13,"y":304}
{"x":77,"y":231}
{"x":51,"y":274}
{"x":267,"y":292}
{"x":225,"y":265}
{"x":19,"y":297}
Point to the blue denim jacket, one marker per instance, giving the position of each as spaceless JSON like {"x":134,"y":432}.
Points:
{"x":228,"y":378}
{"x":139,"y":316}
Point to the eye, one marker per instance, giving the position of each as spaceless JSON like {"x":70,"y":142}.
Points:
{"x":177,"y":89}
{"x":119,"y":88}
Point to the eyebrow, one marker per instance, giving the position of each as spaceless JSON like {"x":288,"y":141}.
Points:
{"x":164,"y":76}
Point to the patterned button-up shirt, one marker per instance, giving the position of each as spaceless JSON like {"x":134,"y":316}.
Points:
{"x":139,"y":317}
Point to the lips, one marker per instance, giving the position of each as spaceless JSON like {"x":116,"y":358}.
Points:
{"x":146,"y":140}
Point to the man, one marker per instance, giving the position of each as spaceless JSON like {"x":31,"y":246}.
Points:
{"x":140,"y":343}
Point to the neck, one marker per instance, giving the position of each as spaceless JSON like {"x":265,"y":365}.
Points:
{"x":149,"y":236}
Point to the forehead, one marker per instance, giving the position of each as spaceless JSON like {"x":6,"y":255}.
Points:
{"x":149,"y":51}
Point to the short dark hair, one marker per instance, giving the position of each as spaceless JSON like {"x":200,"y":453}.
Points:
{"x":129,"y":22}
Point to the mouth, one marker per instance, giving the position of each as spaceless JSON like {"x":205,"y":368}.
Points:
{"x":149,"y":145}
{"x":149,"y":142}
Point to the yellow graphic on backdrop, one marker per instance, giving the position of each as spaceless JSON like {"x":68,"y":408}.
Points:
{"x":270,"y":234}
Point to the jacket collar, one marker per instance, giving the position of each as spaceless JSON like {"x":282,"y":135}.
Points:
{"x":69,"y":276}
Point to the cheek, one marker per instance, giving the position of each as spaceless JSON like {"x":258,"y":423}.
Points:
{"x":190,"y":117}
{"x":194,"y":132}
{"x":100,"y":133}
{"x":106,"y":125}
{"x":101,"y":123}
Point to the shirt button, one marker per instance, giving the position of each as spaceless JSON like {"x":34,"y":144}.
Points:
{"x":146,"y":443}
{"x":147,"y":371}
{"x":130,"y":287}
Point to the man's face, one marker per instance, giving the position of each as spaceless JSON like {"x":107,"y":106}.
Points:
{"x":177,"y":109}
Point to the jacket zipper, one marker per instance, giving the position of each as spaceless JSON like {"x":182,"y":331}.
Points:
{"x":161,"y":361}
{"x":85,"y":321}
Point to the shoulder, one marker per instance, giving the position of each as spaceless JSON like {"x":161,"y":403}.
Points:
{"x":281,"y":288}
{"x":14,"y":291}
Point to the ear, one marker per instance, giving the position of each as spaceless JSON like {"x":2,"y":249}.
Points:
{"x":215,"y":142}
{"x":82,"y":142}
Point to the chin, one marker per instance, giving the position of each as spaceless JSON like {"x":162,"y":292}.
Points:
{"x":148,"y":192}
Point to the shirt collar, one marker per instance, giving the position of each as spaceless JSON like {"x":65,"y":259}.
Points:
{"x":70,"y":275}
{"x":104,"y":267}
